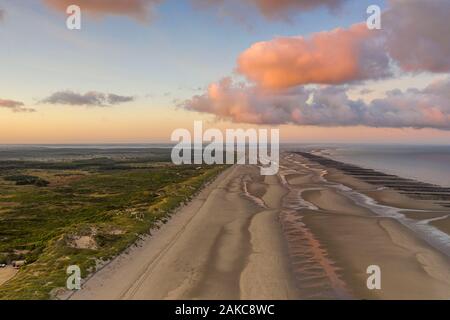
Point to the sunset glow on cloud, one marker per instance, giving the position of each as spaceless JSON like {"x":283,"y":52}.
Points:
{"x":357,"y":53}
{"x":279,"y":69}
{"x":333,"y":57}
{"x":328,"y":106}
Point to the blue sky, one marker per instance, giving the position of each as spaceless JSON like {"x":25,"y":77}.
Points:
{"x":175,"y":56}
{"x":180,"y":48}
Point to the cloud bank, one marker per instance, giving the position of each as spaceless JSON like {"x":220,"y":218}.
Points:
{"x":137,"y":9}
{"x":414,"y":37}
{"x":92,"y":98}
{"x":328,"y":106}
{"x":15,"y":106}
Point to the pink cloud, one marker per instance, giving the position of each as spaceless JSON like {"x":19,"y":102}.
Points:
{"x":242,"y":103}
{"x":328,"y":106}
{"x":414,"y":37}
{"x":329,"y":57}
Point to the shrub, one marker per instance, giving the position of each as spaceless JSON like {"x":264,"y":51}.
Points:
{"x":22,"y":180}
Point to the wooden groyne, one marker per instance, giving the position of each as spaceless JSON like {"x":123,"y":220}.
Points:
{"x":413,"y":188}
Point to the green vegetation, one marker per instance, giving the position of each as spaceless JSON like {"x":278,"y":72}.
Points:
{"x":22,"y":180}
{"x":89,"y":211}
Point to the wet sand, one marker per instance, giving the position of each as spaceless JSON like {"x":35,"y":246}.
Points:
{"x":223,"y":245}
{"x":352,"y":237}
{"x":298,"y":235}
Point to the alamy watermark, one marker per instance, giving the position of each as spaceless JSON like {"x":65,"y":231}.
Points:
{"x":74,"y":280}
{"x":374,"y":280}
{"x":237,"y":146}
{"x":73,"y":21}
{"x":374,"y":20}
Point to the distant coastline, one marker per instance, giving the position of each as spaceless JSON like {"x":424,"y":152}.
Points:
{"x":427,"y":163}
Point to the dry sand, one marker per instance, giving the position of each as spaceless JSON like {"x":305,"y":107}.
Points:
{"x":7,"y":273}
{"x":290,"y":236}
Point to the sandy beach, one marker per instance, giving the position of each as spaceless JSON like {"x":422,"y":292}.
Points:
{"x":308,"y":233}
{"x":213,"y":248}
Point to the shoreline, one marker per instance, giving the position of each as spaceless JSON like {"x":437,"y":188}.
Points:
{"x":297,"y":235}
{"x":427,"y":215}
{"x":355,"y":236}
